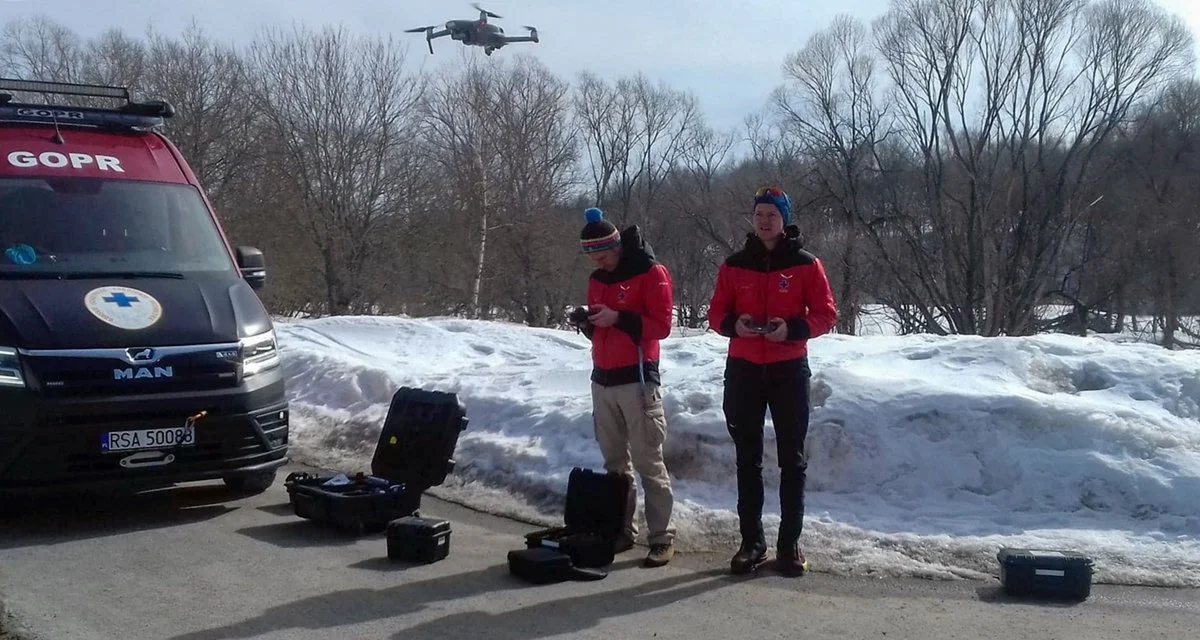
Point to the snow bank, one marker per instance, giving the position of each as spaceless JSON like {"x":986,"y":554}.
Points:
{"x":926,"y":453}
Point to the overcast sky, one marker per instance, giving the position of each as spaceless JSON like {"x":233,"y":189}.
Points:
{"x":728,"y":52}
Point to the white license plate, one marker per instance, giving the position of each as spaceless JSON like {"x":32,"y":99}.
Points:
{"x":148,"y":439}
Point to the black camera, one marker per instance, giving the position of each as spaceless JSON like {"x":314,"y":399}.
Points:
{"x":578,"y":317}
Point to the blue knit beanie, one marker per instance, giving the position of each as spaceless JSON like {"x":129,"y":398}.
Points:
{"x":777,"y":197}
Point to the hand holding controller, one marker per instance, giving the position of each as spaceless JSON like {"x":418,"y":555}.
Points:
{"x":764,"y":328}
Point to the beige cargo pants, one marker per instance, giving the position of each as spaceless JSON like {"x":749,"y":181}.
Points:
{"x":631,"y":427}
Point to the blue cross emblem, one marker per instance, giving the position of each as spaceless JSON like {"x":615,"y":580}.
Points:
{"x":121,"y":300}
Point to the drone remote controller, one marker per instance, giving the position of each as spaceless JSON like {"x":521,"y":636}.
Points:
{"x":762,"y":328}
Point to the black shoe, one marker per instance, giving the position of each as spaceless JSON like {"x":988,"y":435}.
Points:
{"x":748,"y":558}
{"x":791,"y":562}
{"x":622,"y":544}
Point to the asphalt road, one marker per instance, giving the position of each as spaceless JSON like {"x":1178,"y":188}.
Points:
{"x":191,"y":564}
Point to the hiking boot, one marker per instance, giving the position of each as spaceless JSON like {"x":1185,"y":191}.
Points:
{"x":622,"y":544}
{"x":791,"y":562}
{"x":748,"y":558}
{"x":660,"y":554}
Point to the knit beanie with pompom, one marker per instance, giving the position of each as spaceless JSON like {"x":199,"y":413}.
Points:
{"x":598,"y":234}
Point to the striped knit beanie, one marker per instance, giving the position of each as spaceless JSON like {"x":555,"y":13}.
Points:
{"x":599,"y":234}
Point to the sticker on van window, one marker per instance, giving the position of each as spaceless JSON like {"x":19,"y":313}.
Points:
{"x":123,"y":307}
{"x":21,"y":254}
{"x":57,"y":160}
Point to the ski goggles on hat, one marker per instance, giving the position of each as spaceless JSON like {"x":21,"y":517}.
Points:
{"x":769,"y":190}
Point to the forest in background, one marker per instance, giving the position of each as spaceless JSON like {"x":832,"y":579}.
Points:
{"x":961,"y":163}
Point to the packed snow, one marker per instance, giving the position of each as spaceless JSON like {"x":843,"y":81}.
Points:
{"x":926,"y":454}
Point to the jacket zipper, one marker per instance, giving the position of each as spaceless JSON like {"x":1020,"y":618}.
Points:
{"x":766,"y":311}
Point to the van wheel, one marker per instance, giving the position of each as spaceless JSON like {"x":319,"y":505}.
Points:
{"x":252,"y":483}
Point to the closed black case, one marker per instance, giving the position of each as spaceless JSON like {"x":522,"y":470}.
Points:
{"x":1045,"y":573}
{"x":547,"y":566}
{"x":414,"y":539}
{"x":593,"y":517}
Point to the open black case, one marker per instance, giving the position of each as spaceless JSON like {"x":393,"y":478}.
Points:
{"x":355,"y":504}
{"x":593,"y":517}
{"x":414,"y":452}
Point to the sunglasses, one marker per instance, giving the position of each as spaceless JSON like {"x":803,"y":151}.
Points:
{"x":774,"y":192}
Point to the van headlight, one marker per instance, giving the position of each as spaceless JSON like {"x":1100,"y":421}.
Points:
{"x":10,"y":368}
{"x":259,"y":353}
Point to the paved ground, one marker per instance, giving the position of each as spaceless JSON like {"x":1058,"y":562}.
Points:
{"x":190,"y":564}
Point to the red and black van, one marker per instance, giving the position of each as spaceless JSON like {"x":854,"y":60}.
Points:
{"x":133,"y":346}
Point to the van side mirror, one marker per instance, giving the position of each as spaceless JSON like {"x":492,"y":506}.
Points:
{"x":253,"y":266}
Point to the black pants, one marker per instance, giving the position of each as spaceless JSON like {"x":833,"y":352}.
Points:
{"x":749,"y":391}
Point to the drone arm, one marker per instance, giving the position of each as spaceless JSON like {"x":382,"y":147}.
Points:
{"x":532,"y":37}
{"x":431,"y":34}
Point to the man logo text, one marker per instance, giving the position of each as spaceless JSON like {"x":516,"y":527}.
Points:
{"x":56,"y":160}
{"x":143,"y":373}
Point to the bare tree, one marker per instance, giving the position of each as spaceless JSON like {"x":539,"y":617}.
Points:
{"x":38,"y":48}
{"x":535,"y":169}
{"x":606,"y":122}
{"x":965,"y":162}
{"x":113,"y":58}
{"x":635,"y":133}
{"x":1160,"y":160}
{"x":831,"y":107}
{"x":339,"y":113}
{"x":216,"y":126}
{"x":1004,"y":185}
{"x":463,"y":136}
{"x":698,"y":194}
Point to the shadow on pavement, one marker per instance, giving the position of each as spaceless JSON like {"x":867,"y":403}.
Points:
{"x":570,"y":615}
{"x":55,"y":518}
{"x":299,"y":533}
{"x":995,"y":594}
{"x":281,"y":509}
{"x":356,"y":606}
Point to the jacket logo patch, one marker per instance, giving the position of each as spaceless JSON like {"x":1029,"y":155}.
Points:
{"x":784,"y":282}
{"x":621,"y":293}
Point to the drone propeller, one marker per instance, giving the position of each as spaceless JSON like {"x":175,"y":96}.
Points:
{"x":532,"y":32}
{"x":428,"y":34}
{"x":483,"y":11}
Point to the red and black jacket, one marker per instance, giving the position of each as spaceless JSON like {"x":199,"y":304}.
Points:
{"x":786,"y":282}
{"x":640,"y":289}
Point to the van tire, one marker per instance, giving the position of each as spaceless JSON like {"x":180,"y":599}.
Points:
{"x":251,"y":483}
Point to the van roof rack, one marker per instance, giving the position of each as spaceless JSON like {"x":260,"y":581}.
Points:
{"x":130,"y":114}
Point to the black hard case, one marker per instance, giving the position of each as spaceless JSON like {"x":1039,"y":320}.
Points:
{"x":358,"y":508}
{"x":1044,"y":573}
{"x":414,"y":539}
{"x":419,"y":435}
{"x":547,"y":566}
{"x":539,"y":566}
{"x":414,"y":452}
{"x":594,"y":515}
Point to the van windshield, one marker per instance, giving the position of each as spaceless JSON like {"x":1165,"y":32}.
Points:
{"x":84,"y":227}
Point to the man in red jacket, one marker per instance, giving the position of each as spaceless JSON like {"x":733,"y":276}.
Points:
{"x":630,"y":307}
{"x":770,"y":298}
